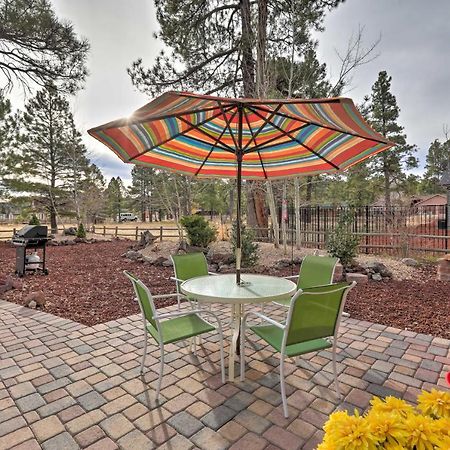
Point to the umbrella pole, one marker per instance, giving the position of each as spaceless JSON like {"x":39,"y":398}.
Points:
{"x":239,"y":196}
{"x":238,"y":220}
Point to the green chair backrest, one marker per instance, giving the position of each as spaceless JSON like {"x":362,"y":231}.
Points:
{"x":316,"y":271}
{"x":189,"y":265}
{"x":144,"y":297}
{"x":314,"y":312}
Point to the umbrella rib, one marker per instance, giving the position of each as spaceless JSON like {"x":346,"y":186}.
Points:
{"x":228,"y":123}
{"x":328,"y":127}
{"x":212,"y":148}
{"x":254,"y":139}
{"x":264,"y":145}
{"x":254,"y":136}
{"x":196,"y":127}
{"x":172,"y":137}
{"x":298,"y":142}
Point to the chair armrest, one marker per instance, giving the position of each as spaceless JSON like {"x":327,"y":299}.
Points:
{"x":175,"y":314}
{"x":265,"y":318}
{"x":175,"y":294}
{"x":176,"y":279}
{"x":291,"y":277}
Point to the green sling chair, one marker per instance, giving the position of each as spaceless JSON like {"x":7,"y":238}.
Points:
{"x":188,"y":266}
{"x":168,"y":328}
{"x":314,"y":271}
{"x":312,"y":325}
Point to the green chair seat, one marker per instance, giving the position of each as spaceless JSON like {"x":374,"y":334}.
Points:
{"x":180,"y":328}
{"x":274,"y":336}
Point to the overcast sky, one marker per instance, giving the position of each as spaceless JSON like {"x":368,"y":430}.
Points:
{"x":414,"y":50}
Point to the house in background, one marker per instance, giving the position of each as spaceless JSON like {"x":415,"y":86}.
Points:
{"x":11,"y":212}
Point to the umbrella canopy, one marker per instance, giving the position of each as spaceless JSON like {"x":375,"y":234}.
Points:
{"x":206,"y":136}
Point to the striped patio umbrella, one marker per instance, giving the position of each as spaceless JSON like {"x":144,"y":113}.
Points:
{"x":206,"y":136}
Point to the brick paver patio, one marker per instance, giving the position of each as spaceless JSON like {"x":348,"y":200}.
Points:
{"x":64,"y":385}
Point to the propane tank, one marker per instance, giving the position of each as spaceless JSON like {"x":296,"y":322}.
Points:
{"x":33,"y":261}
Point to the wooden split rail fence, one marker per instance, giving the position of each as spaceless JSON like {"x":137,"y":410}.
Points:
{"x":116,"y":231}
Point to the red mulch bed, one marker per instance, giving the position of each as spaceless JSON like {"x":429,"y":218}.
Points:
{"x":86,"y":284}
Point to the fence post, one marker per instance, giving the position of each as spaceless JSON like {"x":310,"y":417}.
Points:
{"x":93,"y":229}
{"x":367,"y":229}
{"x":117,"y":229}
{"x":137,"y":232}
{"x":318,"y":226}
{"x":104,"y":230}
{"x":160,"y":233}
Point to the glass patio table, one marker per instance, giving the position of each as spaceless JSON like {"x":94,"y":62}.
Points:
{"x":224,"y":290}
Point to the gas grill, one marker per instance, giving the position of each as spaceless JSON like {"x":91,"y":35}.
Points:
{"x":31,"y":237}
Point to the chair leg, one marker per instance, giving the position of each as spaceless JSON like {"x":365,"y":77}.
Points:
{"x":161,"y":370}
{"x":336,"y":383}
{"x":283,"y":388}
{"x":242,"y":350}
{"x":222,"y":358}
{"x":144,"y":352}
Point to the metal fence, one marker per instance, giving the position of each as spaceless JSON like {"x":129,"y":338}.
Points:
{"x":400,"y":231}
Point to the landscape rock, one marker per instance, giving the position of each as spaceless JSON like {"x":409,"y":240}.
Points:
{"x":220,"y":252}
{"x":167,"y":263}
{"x":377,"y":277}
{"x":410,"y":262}
{"x":358,"y":277}
{"x":146,"y":239}
{"x":338,"y":273}
{"x":133,"y":255}
{"x":37,"y":297}
{"x":71,"y":231}
{"x":380,"y":268}
{"x":32,"y":304}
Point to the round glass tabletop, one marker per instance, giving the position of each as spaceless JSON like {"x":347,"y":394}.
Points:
{"x":253,"y":288}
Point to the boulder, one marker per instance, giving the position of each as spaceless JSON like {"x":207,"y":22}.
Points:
{"x":358,"y":277}
{"x":378,"y":267}
{"x":132,"y":255}
{"x":377,"y":277}
{"x":167,"y":263}
{"x":160,"y":260}
{"x":338,"y":273}
{"x":71,"y":231}
{"x":220,"y":252}
{"x":146,"y":239}
{"x":409,"y":262}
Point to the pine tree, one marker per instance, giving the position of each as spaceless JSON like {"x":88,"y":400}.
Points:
{"x":115,"y":197}
{"x":142,"y":179}
{"x":438,"y":157}
{"x":38,"y":48}
{"x":38,"y":165}
{"x":217,"y":47}
{"x":383,"y":116}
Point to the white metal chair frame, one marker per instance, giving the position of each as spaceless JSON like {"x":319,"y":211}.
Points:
{"x":285,"y":328}
{"x":158,"y":317}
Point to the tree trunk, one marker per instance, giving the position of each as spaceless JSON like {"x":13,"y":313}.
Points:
{"x":387,"y":183}
{"x":248,"y":62}
{"x":261,"y":80}
{"x":273,"y":213}
{"x":283,"y":217}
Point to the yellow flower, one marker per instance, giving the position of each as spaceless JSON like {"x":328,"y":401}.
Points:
{"x":349,"y":433}
{"x":391,"y":405}
{"x":423,"y":433}
{"x":387,"y":428}
{"x":445,"y":443}
{"x":327,"y":445}
{"x":435,"y":403}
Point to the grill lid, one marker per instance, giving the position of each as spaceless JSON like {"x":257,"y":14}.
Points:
{"x":32,"y":231}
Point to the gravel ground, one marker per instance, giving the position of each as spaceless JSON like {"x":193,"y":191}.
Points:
{"x":86,"y":284}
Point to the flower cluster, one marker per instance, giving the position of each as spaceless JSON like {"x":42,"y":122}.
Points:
{"x":393,"y":424}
